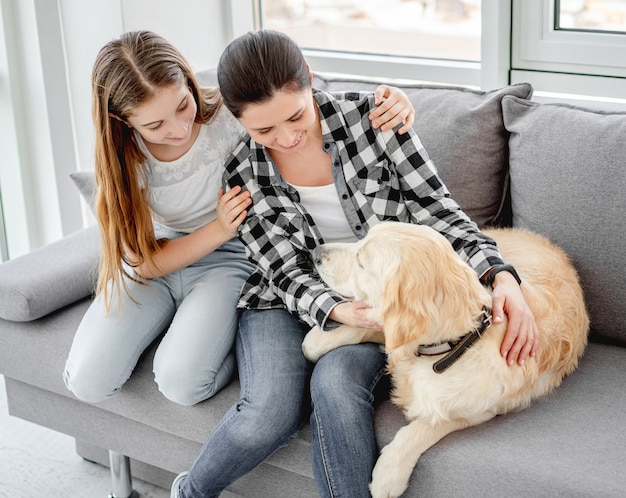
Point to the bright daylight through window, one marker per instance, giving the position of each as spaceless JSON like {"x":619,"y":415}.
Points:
{"x":437,"y":29}
{"x":591,"y":15}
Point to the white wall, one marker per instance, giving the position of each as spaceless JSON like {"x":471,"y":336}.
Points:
{"x":196,"y":27}
{"x":46,"y":55}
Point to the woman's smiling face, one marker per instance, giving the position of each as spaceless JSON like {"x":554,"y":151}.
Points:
{"x":282,"y":123}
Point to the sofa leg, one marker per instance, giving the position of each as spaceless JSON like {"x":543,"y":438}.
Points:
{"x":120,"y":476}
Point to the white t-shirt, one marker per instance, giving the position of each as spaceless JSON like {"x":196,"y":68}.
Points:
{"x":323,"y":204}
{"x":183,"y":193}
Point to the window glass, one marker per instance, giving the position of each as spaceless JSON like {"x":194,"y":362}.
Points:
{"x":438,"y":29}
{"x":591,"y":15}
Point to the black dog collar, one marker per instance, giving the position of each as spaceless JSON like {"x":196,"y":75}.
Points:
{"x":455,"y":349}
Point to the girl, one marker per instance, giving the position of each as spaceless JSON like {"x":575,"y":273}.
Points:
{"x":169,"y":257}
{"x":318,"y":172}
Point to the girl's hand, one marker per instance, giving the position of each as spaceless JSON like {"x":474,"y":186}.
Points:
{"x":232,"y":209}
{"x":355,"y":314}
{"x":522,"y":335}
{"x":396,"y":109}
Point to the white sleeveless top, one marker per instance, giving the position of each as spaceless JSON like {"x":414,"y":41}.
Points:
{"x":322,"y":203}
{"x":183,"y":193}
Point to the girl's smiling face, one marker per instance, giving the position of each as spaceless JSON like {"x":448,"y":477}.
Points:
{"x":167,"y":118}
{"x":282,"y":123}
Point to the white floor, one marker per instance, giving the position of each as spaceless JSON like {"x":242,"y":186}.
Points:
{"x":36,"y":462}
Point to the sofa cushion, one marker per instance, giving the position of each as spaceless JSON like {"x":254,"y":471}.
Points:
{"x":463,"y":133}
{"x":567,"y":182}
{"x":85,"y":182}
{"x":32,"y":287}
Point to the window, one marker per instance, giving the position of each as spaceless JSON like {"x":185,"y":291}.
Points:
{"x":13,"y":218}
{"x":571,"y":46}
{"x":408,"y":28}
{"x":416,"y":39}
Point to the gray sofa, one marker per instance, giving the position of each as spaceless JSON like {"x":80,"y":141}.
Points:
{"x":554,"y":168}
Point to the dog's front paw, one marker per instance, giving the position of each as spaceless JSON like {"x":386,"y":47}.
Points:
{"x":314,"y":344}
{"x":389,"y":477}
{"x":317,"y":343}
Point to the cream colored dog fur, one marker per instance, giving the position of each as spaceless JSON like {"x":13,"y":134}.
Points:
{"x":423,"y":293}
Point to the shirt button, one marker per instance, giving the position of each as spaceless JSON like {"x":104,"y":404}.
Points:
{"x":327,"y":146}
{"x":358,"y":228}
{"x":344,"y":196}
{"x":336,"y":163}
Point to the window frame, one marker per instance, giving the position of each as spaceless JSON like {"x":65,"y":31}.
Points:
{"x":567,"y":61}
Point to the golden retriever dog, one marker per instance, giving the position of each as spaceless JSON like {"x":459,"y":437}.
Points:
{"x":429,"y":301}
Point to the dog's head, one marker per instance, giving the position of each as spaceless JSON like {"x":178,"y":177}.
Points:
{"x":421,"y":288}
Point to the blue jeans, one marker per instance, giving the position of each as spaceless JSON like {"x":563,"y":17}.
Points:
{"x":195,"y":358}
{"x":274,"y":401}
{"x":345,"y":384}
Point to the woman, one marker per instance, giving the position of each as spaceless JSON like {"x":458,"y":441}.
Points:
{"x":170,"y":259}
{"x":318,"y":172}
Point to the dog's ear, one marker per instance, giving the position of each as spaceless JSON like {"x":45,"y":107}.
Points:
{"x":407,"y":307}
{"x":402,"y":313}
{"x":431,"y":295}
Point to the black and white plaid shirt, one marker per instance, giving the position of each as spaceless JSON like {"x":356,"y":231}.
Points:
{"x":378,"y":176}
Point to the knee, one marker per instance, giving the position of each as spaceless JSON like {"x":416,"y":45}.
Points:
{"x":347,"y":376}
{"x":265,"y":426}
{"x":180,"y":396}
{"x":176,"y":383}
{"x":328,"y":391}
{"x":86,"y":387}
{"x":330,"y":379}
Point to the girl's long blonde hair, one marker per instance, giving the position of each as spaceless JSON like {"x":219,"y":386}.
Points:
{"x":128,"y":71}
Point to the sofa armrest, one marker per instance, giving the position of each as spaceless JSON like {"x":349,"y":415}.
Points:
{"x":49,"y":278}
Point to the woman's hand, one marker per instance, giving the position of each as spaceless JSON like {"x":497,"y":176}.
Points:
{"x":522,"y":335}
{"x":232,"y":209}
{"x":396,"y":109}
{"x":355,"y":314}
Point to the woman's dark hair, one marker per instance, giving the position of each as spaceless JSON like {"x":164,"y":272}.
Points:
{"x":256,"y":65}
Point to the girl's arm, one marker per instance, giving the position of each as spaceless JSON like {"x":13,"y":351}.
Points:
{"x":178,"y":253}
